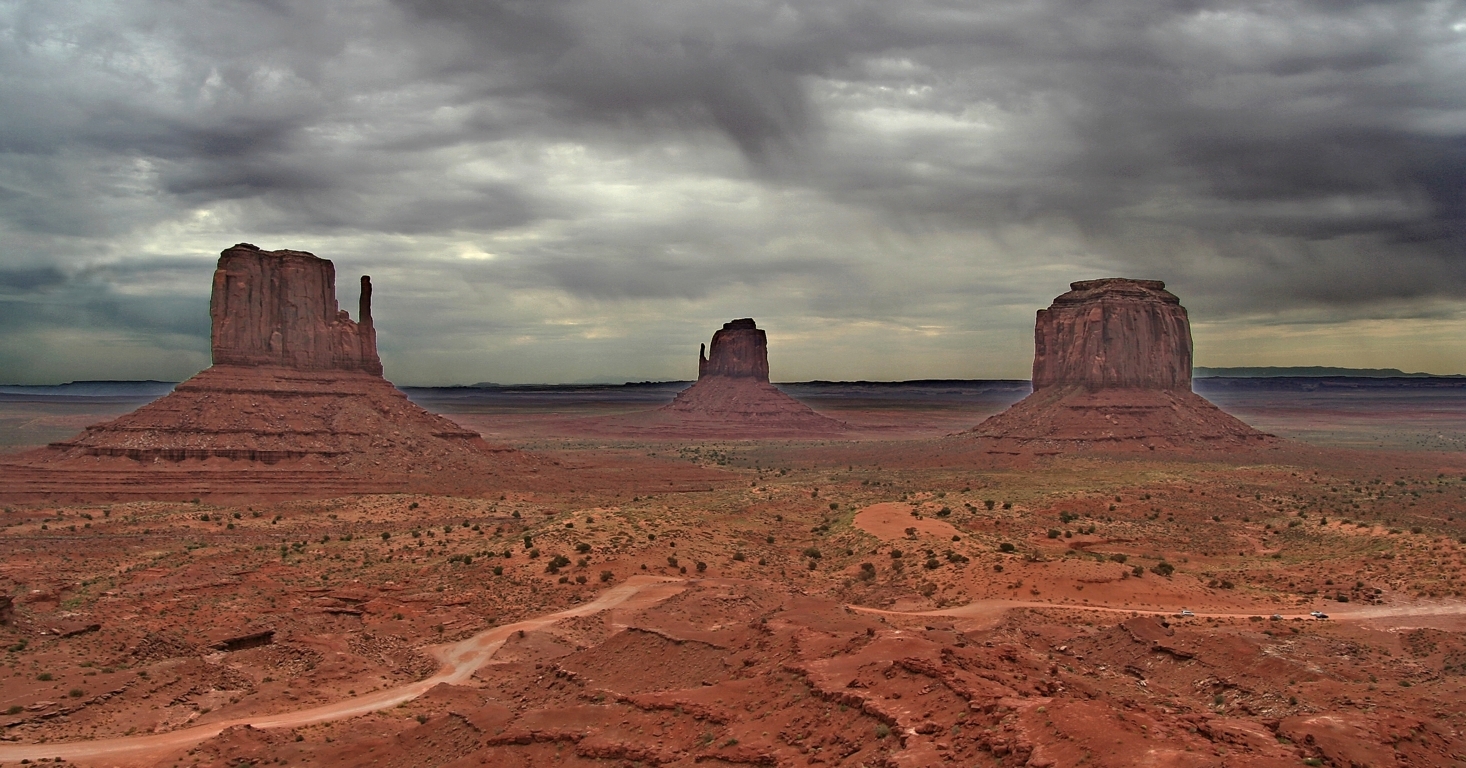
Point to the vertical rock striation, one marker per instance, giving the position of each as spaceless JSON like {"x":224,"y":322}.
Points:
{"x":739,"y":350}
{"x":1112,"y":372}
{"x":733,"y":396}
{"x":294,"y":404}
{"x":279,"y":308}
{"x":1113,"y":333}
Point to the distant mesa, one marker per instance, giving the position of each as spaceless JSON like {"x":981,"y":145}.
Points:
{"x":732,"y":398}
{"x":740,"y":350}
{"x":294,"y":404}
{"x":1112,"y":372}
{"x":733,"y":393}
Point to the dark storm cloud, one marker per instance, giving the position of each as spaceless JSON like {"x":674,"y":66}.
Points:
{"x":851,"y":161}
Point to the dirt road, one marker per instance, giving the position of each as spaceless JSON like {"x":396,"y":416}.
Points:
{"x":1419,"y":614}
{"x":460,"y":660}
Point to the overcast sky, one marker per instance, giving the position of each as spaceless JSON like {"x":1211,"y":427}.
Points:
{"x":584,"y":190}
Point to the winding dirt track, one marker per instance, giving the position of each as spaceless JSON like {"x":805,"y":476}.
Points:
{"x":460,"y":660}
{"x":1423,"y":612}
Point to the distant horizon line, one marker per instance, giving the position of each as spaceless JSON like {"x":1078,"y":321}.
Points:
{"x":1199,"y":372}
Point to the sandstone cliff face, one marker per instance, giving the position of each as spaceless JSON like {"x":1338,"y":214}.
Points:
{"x":733,"y":396}
{"x":279,"y":308}
{"x":1112,"y":373}
{"x":1113,"y":333}
{"x":294,"y":405}
{"x":739,"y":350}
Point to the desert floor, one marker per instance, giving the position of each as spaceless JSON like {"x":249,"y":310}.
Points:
{"x":888,"y":598}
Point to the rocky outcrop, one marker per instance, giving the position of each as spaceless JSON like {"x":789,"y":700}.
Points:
{"x":739,"y":350}
{"x":279,"y":308}
{"x":1112,"y":372}
{"x":294,"y":405}
{"x":733,"y":396}
{"x":1113,"y":333}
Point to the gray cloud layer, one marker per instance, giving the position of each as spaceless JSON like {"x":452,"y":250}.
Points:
{"x":565,"y":190}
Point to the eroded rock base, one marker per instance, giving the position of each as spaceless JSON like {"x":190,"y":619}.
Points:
{"x":1068,"y":419}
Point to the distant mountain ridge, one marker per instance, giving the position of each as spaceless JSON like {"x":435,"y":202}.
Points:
{"x":1314,"y":371}
{"x":102,"y":388}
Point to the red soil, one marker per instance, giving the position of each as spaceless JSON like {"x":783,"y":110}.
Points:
{"x":1070,"y":419}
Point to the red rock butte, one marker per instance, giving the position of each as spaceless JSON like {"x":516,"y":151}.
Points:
{"x":733,"y":395}
{"x":294,"y":405}
{"x":1112,"y":372}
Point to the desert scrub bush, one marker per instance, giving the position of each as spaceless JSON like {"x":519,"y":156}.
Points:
{"x":989,"y":503}
{"x":932,"y":563}
{"x":607,"y":576}
{"x":1053,"y":533}
{"x":556,"y":563}
{"x":895,"y":554}
{"x":1006,"y":547}
{"x":882,"y":730}
{"x":582,"y":547}
{"x":867,"y":571}
{"x":739,"y":556}
{"x":1163,"y":568}
{"x":812,"y":552}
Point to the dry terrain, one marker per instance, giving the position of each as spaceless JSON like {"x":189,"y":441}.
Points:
{"x":893,"y":596}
